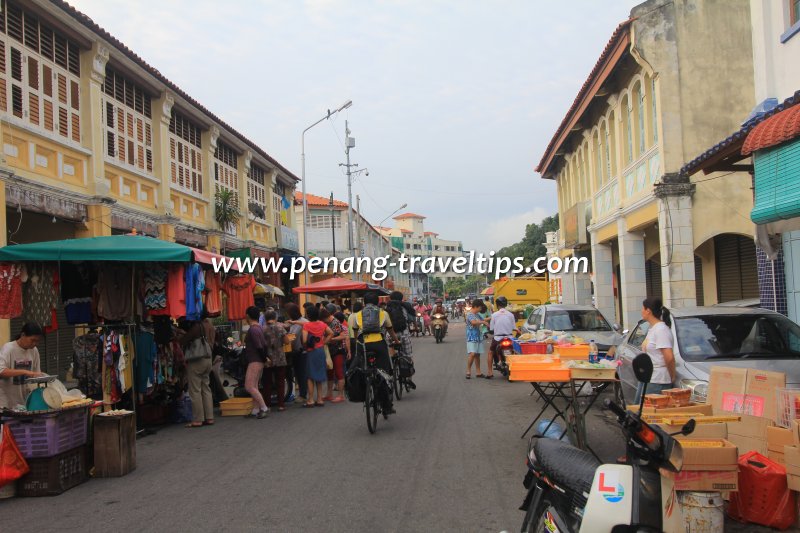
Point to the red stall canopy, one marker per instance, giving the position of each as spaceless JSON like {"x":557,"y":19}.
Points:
{"x":337,"y":284}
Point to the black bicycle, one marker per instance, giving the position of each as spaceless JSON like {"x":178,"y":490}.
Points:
{"x":402,"y":370}
{"x":373,"y":381}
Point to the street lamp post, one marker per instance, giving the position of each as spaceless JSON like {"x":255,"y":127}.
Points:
{"x":333,"y":225}
{"x":303,"y":178}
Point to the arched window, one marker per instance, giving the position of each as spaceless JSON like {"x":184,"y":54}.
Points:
{"x":599,"y":152}
{"x":628,"y":127}
{"x":654,"y":111}
{"x":640,"y":113}
{"x":607,"y":151}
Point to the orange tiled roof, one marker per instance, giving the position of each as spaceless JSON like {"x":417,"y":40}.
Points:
{"x":408,"y":215}
{"x":433,"y":233}
{"x":777,"y":129}
{"x":116,"y":43}
{"x":613,"y":51}
{"x":318,"y":201}
{"x":406,"y":231}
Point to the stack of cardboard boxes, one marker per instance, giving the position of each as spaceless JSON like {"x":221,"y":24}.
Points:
{"x":792,"y":458}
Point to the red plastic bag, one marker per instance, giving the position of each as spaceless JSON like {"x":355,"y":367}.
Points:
{"x":12,"y":464}
{"x":763,"y":496}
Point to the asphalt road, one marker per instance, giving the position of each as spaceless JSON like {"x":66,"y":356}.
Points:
{"x":451,"y":459}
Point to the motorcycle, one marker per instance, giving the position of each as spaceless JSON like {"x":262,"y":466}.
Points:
{"x":503,"y":348}
{"x":231,"y":368}
{"x":571,"y":491}
{"x":438,"y":325}
{"x":419,"y":324}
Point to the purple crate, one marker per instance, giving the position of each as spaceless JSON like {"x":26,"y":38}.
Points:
{"x":51,"y":433}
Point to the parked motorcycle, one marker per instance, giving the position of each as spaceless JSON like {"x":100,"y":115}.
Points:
{"x":438,"y":324}
{"x":231,"y":371}
{"x":571,"y":491}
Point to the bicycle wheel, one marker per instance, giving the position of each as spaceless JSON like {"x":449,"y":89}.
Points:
{"x":397,"y":384}
{"x":371,"y":405}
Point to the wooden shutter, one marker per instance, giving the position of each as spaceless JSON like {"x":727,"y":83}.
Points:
{"x":698,"y":281}
{"x":737,"y":274}
{"x":652,"y":276}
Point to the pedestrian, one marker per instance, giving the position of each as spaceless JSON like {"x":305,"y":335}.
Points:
{"x":274,"y":335}
{"x":316,"y":334}
{"x":197,"y":344}
{"x":476,"y":345}
{"x":658,"y":344}
{"x":401,"y":313}
{"x":299,"y":356}
{"x":255,"y":350}
{"x":337,"y":347}
{"x":19,"y":358}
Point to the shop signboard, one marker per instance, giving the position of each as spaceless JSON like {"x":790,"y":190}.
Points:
{"x":289,"y":239}
{"x":575,"y":226}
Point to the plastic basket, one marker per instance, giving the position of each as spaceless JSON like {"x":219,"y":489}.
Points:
{"x":236,"y":407}
{"x":551,"y":374}
{"x":48,"y":434}
{"x":527,"y":348}
{"x":572,"y":351}
{"x":50,"y":476}
{"x":788,"y":407}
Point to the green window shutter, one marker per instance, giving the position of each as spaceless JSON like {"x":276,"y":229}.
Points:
{"x":777,"y":183}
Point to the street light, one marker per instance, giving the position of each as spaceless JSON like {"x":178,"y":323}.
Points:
{"x":303,"y":178}
{"x":390,"y":214}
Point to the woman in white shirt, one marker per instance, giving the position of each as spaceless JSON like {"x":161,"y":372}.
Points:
{"x":658,"y":344}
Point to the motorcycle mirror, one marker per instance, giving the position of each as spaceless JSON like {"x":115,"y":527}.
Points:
{"x":688,"y":427}
{"x":643,"y":368}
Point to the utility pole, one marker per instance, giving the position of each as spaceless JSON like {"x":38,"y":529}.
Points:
{"x":349,"y":143}
{"x":358,"y":230}
{"x":333,"y":225}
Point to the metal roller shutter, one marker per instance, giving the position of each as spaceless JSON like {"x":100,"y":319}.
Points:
{"x":698,"y":281}
{"x":737,"y":273}
{"x":55,"y":351}
{"x":652,"y":275}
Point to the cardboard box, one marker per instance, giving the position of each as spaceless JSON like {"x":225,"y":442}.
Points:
{"x":746,"y":391}
{"x":793,"y":481}
{"x":792,"y":456}
{"x":776,"y":456}
{"x":722,"y":456}
{"x":718,"y":430}
{"x":720,"y":480}
{"x":796,"y":433}
{"x":750,"y":434}
{"x":778,"y":438}
{"x":748,"y":444}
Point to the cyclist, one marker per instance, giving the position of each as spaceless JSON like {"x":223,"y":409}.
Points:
{"x":400,"y":313}
{"x":502,"y":325}
{"x":370,"y":322}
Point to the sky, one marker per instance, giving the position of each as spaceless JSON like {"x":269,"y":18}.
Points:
{"x":454,"y":101}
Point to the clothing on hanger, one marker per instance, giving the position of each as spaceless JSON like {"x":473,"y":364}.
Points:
{"x":12,"y":276}
{"x":239,"y":290}
{"x":77,"y":284}
{"x":39,"y":296}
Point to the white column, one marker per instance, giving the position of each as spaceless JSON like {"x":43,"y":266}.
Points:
{"x":603,"y":270}
{"x":632,"y":274}
{"x":677,"y":250}
{"x":576,"y":288}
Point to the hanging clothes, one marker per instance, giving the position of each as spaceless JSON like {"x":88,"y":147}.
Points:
{"x":176,"y":293}
{"x":112,"y":389}
{"x":154,"y":287}
{"x":39,"y":296}
{"x":239,"y":290}
{"x":195,"y":283}
{"x":12,"y":276}
{"x":213,"y":293}
{"x":77,"y":284}
{"x":114,"y":299}
{"x":86,"y":350}
{"x":145,"y":347}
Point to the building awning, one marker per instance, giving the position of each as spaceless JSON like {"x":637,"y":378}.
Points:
{"x":773,"y":131}
{"x":127,"y":248}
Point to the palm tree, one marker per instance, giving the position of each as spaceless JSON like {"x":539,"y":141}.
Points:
{"x":226,"y":211}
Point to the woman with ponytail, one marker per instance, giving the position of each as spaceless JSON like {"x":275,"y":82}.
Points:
{"x":658,"y":344}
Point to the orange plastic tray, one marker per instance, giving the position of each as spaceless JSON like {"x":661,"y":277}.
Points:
{"x":572,"y":351}
{"x":555,"y":374}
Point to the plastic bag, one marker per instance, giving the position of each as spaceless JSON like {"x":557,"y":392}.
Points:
{"x":763,"y":496}
{"x":12,"y":464}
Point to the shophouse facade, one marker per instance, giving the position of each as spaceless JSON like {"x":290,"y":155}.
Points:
{"x":660,"y":88}
{"x":97,"y":142}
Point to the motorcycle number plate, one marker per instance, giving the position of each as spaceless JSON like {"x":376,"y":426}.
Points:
{"x":506,"y":352}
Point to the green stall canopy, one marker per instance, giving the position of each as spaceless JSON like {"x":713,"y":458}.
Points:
{"x":112,"y":248}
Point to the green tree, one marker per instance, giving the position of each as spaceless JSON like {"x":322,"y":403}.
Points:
{"x":532,"y":244}
{"x":226,"y":211}
{"x":436,"y":286}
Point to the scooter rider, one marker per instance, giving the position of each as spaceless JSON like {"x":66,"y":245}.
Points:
{"x":439,"y":309}
{"x":502,"y":325}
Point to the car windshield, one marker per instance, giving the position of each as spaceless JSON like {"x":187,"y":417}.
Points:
{"x":578,"y":320}
{"x":721,"y":337}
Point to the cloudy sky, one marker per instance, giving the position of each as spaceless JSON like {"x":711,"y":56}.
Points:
{"x":453,"y":101}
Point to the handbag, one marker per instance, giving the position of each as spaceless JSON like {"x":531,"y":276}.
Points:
{"x":13,"y":465}
{"x":198,"y":349}
{"x":328,"y":360}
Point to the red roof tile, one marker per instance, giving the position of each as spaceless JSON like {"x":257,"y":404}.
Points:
{"x":611,"y":53}
{"x":318,"y":201}
{"x":431,"y":233}
{"x":777,"y":129}
{"x":408,"y":215}
{"x":116,"y":43}
{"x":406,"y":231}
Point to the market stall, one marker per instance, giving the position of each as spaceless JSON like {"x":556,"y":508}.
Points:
{"x":121,"y":296}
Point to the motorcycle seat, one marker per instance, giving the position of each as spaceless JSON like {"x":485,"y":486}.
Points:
{"x":565,"y":464}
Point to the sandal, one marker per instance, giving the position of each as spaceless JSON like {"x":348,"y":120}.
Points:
{"x":193,"y":425}
{"x":308,"y":405}
{"x":479,"y":376}
{"x":469,"y":376}
{"x":281,"y":409}
{"x":319,"y":404}
{"x":208,"y":422}
{"x":489,"y":377}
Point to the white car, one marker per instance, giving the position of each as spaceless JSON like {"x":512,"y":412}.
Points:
{"x":741,"y":337}
{"x":580,"y":320}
